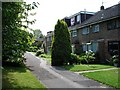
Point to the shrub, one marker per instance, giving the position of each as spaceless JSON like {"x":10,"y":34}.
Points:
{"x":114,"y":60}
{"x":39,"y":52}
{"x":18,"y":61}
{"x":33,"y":49}
{"x":74,"y":59}
{"x":61,"y":46}
{"x":87,"y":57}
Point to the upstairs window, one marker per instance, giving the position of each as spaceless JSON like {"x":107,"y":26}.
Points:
{"x":118,"y":23}
{"x":111,"y":25}
{"x":95,"y":28}
{"x":72,"y":21}
{"x":78,"y":18}
{"x":85,"y":30}
{"x":74,"y":33}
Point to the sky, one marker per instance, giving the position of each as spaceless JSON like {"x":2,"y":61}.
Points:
{"x":49,"y":11}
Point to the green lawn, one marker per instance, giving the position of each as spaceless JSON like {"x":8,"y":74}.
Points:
{"x":84,"y":67}
{"x":46,"y":57}
{"x":109,"y":77}
{"x":19,"y":77}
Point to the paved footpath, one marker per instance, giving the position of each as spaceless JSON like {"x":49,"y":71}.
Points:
{"x":95,"y":70}
{"x":57,"y":77}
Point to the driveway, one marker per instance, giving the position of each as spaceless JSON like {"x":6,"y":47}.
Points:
{"x":57,"y":77}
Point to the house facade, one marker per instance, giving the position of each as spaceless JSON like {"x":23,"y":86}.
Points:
{"x":73,"y":22}
{"x":98,"y":32}
{"x":101,"y":33}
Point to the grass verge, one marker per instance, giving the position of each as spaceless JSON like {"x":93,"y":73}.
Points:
{"x":19,"y":77}
{"x":46,"y":57}
{"x":109,"y":77}
{"x":85,"y":67}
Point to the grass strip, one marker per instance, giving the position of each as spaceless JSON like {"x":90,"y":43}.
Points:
{"x":19,"y":77}
{"x":109,"y":77}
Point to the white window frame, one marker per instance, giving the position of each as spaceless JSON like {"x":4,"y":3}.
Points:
{"x":85,"y":30}
{"x":72,"y":21}
{"x":74,"y":33}
{"x":96,"y":28}
{"x":78,"y":18}
{"x":94,"y":46}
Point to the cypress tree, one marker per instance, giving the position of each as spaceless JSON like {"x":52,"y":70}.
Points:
{"x":61,"y":46}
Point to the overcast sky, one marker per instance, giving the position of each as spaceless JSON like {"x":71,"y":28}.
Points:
{"x":49,"y":11}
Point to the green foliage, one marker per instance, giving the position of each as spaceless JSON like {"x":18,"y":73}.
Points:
{"x":37,"y":33}
{"x":115,"y":59}
{"x":75,"y":59}
{"x":87,"y":58}
{"x":83,"y":58}
{"x":61,"y":47}
{"x":46,"y":57}
{"x":39,"y":52}
{"x":16,"y":39}
{"x":33,"y":49}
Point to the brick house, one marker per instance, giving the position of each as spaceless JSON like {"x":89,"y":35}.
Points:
{"x":73,"y":22}
{"x":101,"y":33}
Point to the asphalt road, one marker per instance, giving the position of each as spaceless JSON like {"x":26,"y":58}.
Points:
{"x":57,"y":77}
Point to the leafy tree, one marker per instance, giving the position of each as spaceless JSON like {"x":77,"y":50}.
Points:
{"x":37,"y":33}
{"x":61,"y":47}
{"x":16,"y":38}
{"x":38,"y":38}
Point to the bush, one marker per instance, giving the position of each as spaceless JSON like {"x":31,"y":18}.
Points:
{"x":74,"y":59}
{"x":87,"y":58}
{"x":18,"y":61}
{"x":61,"y":46}
{"x":39,"y":52}
{"x":114,"y":60}
{"x":33,"y":49}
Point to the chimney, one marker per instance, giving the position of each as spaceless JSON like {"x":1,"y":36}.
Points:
{"x":102,"y":7}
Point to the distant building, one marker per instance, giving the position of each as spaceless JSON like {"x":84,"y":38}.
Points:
{"x":48,"y":41}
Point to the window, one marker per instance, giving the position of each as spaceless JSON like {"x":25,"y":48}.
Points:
{"x":85,"y":30}
{"x":95,"y":28}
{"x":73,"y":21}
{"x":90,"y":46}
{"x":78,"y":18}
{"x":111,"y":25}
{"x":94,"y":46}
{"x":87,"y":47}
{"x":118,"y":23}
{"x":113,"y":47}
{"x":74,"y":33}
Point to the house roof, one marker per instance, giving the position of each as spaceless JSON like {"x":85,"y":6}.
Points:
{"x":103,"y":15}
{"x":81,"y":12}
